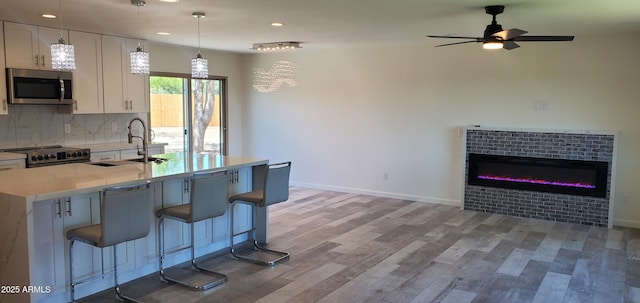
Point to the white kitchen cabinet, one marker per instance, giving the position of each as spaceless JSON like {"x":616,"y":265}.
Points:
{"x":29,"y":46}
{"x":239,"y":183}
{"x":4,"y":109}
{"x":111,"y":155}
{"x":87,"y":78}
{"x":12,"y":164}
{"x":123,"y":92}
{"x":52,"y":218}
{"x":176,"y":234}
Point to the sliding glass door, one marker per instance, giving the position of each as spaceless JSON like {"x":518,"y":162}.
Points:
{"x":188,"y":114}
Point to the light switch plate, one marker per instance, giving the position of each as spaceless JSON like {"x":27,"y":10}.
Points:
{"x":67,"y":128}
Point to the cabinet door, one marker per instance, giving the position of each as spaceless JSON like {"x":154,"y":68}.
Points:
{"x":123,"y":92}
{"x":112,"y":62}
{"x":137,"y":86}
{"x":239,"y":183}
{"x":4,"y":110}
{"x":46,"y":37}
{"x":87,"y":88}
{"x":127,"y":154}
{"x":176,"y":234}
{"x":79,"y":211}
{"x":49,"y":246}
{"x":21,"y":45}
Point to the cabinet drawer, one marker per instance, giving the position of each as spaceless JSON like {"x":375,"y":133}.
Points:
{"x":105,"y":156}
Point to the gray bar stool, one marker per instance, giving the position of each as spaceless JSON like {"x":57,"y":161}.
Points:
{"x":124,"y":216}
{"x":207,"y":200}
{"x":270,"y":186}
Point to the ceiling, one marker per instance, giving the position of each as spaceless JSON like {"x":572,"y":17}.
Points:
{"x":234,"y":25}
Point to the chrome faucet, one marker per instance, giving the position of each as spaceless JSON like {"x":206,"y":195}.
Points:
{"x":145,"y":150}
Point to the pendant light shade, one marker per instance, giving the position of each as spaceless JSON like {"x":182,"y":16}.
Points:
{"x":139,"y":62}
{"x":199,"y":65}
{"x":63,"y":56}
{"x":139,"y":59}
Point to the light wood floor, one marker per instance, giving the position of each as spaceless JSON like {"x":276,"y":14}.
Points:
{"x":356,"y":248}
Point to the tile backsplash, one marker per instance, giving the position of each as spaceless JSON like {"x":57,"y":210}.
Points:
{"x":37,"y":125}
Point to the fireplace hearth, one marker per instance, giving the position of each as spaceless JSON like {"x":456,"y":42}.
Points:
{"x":573,"y":177}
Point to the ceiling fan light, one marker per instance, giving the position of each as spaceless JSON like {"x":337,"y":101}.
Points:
{"x":492,"y":45}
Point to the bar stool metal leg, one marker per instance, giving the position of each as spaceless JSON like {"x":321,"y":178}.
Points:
{"x":280,"y":256}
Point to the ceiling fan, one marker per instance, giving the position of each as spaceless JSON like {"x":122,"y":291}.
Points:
{"x":495,"y":37}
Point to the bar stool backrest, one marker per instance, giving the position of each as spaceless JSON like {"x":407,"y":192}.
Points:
{"x":208,"y":196}
{"x":276,"y":188}
{"x":125,"y":214}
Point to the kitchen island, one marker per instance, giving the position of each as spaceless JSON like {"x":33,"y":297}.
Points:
{"x":38,"y":204}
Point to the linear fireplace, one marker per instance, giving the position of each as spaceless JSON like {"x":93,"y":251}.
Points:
{"x":573,"y":177}
{"x":559,"y":176}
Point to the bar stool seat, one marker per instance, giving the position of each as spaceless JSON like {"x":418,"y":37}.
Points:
{"x":207,"y":200}
{"x":271,"y":186}
{"x":124,"y":216}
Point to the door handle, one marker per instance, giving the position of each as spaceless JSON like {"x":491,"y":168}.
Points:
{"x":69,"y":206}
{"x":42,"y":60}
{"x":59,"y":213}
{"x":61,"y":89}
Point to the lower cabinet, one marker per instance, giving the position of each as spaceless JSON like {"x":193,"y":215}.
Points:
{"x":239,"y":182}
{"x":111,"y":155}
{"x":11,"y":164}
{"x":52,"y":218}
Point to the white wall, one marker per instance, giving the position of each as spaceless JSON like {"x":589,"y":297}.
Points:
{"x":360,"y":112}
{"x":177,"y":59}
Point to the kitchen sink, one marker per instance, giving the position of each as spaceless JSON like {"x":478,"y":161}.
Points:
{"x":128,"y":162}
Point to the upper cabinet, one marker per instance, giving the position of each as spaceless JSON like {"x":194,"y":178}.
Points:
{"x":29,"y":46}
{"x":123,"y":92}
{"x":3,"y":77}
{"x":87,"y":78}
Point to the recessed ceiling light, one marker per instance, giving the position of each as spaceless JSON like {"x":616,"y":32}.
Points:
{"x":163,"y":33}
{"x":49,"y":16}
{"x":277,"y":24}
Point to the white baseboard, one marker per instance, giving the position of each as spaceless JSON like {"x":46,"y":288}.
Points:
{"x":626,"y":223}
{"x":376,"y":193}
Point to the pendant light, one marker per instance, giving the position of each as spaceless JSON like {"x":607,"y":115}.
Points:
{"x":139,"y":58}
{"x":199,"y":65}
{"x":63,"y":55}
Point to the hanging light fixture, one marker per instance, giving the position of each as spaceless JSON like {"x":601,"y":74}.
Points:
{"x":139,"y":58}
{"x":63,"y":55}
{"x":199,"y":65}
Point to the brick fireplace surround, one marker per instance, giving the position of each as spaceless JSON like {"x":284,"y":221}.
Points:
{"x":541,"y":144}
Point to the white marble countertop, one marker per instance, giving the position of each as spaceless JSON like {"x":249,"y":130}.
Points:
{"x":11,"y":156}
{"x":50,"y":182}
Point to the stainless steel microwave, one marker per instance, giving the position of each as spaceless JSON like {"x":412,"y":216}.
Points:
{"x":28,"y":86}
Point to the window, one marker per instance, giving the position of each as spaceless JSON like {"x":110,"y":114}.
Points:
{"x":188,"y":114}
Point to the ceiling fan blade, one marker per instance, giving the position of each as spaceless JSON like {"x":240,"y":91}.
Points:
{"x":509,"y":34}
{"x":543,"y":38}
{"x":509,"y":45}
{"x":452,"y":37}
{"x":458,"y":43}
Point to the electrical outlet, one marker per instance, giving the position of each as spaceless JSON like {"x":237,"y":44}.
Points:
{"x":114,"y":126}
{"x":67,"y":128}
{"x":385,"y":176}
{"x":625,"y":199}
